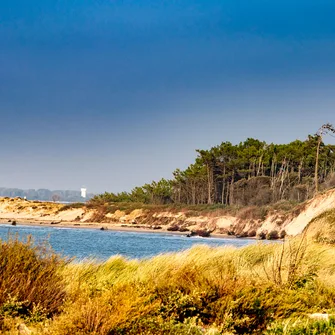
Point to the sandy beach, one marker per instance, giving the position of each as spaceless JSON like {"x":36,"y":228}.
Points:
{"x":99,"y":226}
{"x":48,"y":214}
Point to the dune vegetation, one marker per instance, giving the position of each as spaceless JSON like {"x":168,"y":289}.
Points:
{"x":260,"y":289}
{"x":322,"y":228}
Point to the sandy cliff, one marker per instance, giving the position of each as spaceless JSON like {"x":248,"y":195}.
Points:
{"x":292,"y":222}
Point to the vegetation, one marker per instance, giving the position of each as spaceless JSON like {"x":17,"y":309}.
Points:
{"x":73,"y":205}
{"x":31,"y":285}
{"x":260,"y":289}
{"x":252,"y":173}
{"x":322,"y":228}
{"x":44,"y":194}
{"x":323,"y":130}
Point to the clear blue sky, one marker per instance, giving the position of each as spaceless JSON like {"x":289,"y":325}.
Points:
{"x":114,"y":94}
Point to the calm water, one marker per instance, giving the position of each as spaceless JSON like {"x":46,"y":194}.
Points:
{"x":85,"y":243}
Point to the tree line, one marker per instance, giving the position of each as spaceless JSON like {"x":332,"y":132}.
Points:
{"x":252,"y":172}
{"x":44,"y":194}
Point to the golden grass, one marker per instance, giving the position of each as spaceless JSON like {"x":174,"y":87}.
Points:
{"x":262,"y":288}
{"x":322,"y":228}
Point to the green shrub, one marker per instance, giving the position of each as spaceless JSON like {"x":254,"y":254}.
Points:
{"x":303,"y":327}
{"x":72,"y":206}
{"x":252,"y":213}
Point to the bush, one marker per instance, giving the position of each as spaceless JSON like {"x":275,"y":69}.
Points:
{"x":330,"y":181}
{"x":307,"y":327}
{"x":249,"y":312}
{"x":252,"y":213}
{"x":173,"y":228}
{"x":255,"y":191}
{"x":74,"y":205}
{"x":282,"y":234}
{"x":201,"y":233}
{"x":29,"y":276}
{"x":322,"y":228}
{"x":272,"y":235}
{"x":261,"y":235}
{"x":252,"y":233}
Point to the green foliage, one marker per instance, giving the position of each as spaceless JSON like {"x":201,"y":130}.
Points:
{"x":158,"y":326}
{"x":251,"y":173}
{"x":72,"y":206}
{"x":155,"y":193}
{"x":303,"y":327}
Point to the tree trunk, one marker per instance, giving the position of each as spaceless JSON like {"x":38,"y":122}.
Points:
{"x":231,"y":198}
{"x":316,"y":175}
{"x":223,"y":184}
{"x":299,"y":171}
{"x":259,"y":165}
{"x":209,"y":176}
{"x":193,"y":192}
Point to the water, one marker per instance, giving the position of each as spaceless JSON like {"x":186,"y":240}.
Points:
{"x":88,"y":243}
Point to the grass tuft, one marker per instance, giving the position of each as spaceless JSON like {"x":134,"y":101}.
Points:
{"x":32,"y":286}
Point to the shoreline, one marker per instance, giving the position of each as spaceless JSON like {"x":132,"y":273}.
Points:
{"x":107,"y":227}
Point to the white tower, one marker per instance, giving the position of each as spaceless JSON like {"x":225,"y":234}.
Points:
{"x":83,"y":192}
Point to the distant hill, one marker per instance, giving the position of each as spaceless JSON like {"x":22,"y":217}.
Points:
{"x":45,"y":194}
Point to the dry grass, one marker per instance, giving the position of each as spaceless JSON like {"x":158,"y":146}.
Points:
{"x":322,"y":228}
{"x":238,"y":290}
{"x":31,"y":284}
{"x":259,"y":289}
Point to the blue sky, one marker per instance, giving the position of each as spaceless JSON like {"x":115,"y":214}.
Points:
{"x":114,"y":94}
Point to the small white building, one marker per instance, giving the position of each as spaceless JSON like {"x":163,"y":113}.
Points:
{"x":83,"y":192}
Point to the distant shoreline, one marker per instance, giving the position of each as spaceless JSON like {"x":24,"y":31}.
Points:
{"x":107,"y":227}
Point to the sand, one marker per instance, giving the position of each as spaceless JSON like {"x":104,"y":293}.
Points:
{"x":53,"y":214}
